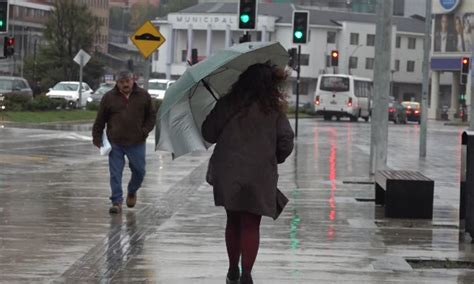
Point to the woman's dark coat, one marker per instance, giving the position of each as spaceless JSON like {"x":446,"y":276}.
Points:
{"x":243,"y":167}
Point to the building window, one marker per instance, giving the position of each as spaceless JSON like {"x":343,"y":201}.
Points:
{"x":331,"y":37}
{"x":353,"y":62}
{"x":410,"y":66}
{"x":304,"y":59}
{"x":411,"y":43}
{"x":398,"y":42}
{"x":184,"y":55}
{"x":397,"y":65}
{"x":369,"y":63}
{"x":304,"y":86}
{"x":370,"y":40}
{"x":354,"y":39}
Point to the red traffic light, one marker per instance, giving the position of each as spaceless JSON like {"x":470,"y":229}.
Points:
{"x":335,"y":54}
{"x":11,"y":41}
{"x":465,"y":65}
{"x":334,"y":58}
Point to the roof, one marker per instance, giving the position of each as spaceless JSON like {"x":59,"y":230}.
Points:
{"x":284,"y":14}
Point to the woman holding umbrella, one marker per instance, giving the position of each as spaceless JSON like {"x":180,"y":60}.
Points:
{"x":252,"y":135}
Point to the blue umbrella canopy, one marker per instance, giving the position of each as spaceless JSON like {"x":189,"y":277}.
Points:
{"x":190,"y":99}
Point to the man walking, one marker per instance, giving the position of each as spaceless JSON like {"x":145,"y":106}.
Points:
{"x":129,"y":114}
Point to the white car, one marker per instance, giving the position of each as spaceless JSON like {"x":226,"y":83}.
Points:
{"x":69,"y":91}
{"x":158,"y":87}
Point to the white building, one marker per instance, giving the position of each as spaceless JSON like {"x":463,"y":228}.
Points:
{"x":211,"y":26}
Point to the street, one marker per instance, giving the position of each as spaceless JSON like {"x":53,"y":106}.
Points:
{"x":55,"y":225}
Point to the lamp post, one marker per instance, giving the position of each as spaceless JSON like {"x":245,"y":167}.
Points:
{"x":349,"y":59}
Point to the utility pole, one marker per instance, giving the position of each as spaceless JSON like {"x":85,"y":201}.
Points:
{"x":426,"y":80}
{"x":383,"y":51}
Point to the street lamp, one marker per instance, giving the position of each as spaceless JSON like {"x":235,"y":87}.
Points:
{"x":349,"y":59}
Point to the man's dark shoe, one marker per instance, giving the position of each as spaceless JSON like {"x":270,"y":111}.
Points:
{"x":115,"y":209}
{"x":131,"y":199}
{"x":233,"y":276}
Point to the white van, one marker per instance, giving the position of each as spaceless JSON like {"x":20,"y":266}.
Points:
{"x":342,"y":95}
{"x":158,"y":87}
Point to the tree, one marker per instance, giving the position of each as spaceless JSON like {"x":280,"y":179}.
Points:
{"x":141,"y":12}
{"x":70,"y":27}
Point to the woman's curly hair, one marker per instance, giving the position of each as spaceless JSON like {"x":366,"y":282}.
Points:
{"x":261,"y":82}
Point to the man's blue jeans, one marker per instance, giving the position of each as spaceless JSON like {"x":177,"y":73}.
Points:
{"x":136,"y":161}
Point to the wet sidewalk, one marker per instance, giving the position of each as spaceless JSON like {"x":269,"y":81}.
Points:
{"x":54,"y":224}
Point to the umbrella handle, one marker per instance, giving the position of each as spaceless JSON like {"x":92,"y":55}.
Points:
{"x":209,"y":89}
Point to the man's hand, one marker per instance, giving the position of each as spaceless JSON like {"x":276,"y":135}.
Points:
{"x":98,"y":144}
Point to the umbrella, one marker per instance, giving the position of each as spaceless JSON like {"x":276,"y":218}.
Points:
{"x":190,"y":99}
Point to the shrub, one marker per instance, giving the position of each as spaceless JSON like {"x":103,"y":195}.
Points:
{"x":93,"y":106}
{"x":43,"y":103}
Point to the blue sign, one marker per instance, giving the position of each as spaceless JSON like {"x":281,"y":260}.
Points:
{"x":449,"y":5}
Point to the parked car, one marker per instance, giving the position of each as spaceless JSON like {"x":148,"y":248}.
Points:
{"x":97,"y":95}
{"x":69,"y":91}
{"x":16,"y":85}
{"x":158,"y":87}
{"x":413,"y":111}
{"x":396,"y":112}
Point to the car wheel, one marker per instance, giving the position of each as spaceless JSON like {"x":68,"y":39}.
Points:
{"x":366,"y":118}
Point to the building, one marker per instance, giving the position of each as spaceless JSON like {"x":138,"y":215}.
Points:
{"x":26,"y":25}
{"x":452,"y":40}
{"x":128,"y":3}
{"x":210,"y":26}
{"x":100,"y":9}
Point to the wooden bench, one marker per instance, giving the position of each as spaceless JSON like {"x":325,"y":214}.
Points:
{"x":405,"y":194}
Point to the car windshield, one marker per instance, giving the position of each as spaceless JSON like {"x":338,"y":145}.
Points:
{"x":156,"y":86}
{"x":334,"y":84}
{"x":5,"y":84}
{"x":66,"y":87}
{"x":102,"y":90}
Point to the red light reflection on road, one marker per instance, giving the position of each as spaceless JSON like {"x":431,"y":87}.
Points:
{"x":332,"y":178}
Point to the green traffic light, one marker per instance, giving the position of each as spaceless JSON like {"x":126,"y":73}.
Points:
{"x":298,"y":34}
{"x":244,"y":18}
{"x":1,"y":23}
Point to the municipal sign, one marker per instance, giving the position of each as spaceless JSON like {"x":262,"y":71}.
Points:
{"x":82,"y":57}
{"x":147,"y":39}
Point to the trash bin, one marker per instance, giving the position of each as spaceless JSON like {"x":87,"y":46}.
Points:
{"x":466,"y":206}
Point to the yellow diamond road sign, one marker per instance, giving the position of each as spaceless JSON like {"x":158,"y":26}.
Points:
{"x":147,"y":39}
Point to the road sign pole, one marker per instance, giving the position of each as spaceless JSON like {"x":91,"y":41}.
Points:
{"x":81,"y":65}
{"x":146,"y":74}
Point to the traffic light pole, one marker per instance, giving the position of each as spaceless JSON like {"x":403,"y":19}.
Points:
{"x":297,"y":91}
{"x":426,"y":81}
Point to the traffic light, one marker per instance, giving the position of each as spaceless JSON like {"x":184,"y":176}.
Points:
{"x":465,"y":66}
{"x":334,"y":58}
{"x":247,"y":14}
{"x":3,"y":16}
{"x":8,"y":46}
{"x":293,"y":61}
{"x":300,"y":26}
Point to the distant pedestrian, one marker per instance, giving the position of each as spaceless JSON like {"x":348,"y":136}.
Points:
{"x":129,"y":114}
{"x":253,"y":135}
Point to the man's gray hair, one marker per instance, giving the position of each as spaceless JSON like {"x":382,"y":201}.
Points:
{"x":123,"y":74}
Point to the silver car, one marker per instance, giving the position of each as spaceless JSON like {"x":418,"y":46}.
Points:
{"x":15,"y":85}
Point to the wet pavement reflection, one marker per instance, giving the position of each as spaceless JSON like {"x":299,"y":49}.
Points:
{"x":55,"y":227}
